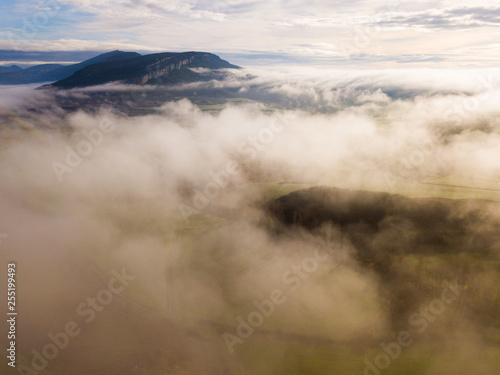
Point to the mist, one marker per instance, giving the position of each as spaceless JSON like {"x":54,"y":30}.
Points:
{"x":216,"y":214}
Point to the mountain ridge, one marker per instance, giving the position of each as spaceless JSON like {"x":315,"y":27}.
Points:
{"x":10,"y":68}
{"x":155,"y":68}
{"x":127,"y":67}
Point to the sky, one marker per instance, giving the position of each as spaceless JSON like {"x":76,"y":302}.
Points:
{"x":371,"y":33}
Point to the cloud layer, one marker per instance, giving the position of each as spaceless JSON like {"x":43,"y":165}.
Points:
{"x":371,"y":33}
{"x":177,"y":198}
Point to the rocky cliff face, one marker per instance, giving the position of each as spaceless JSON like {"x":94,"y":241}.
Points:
{"x":162,"y":67}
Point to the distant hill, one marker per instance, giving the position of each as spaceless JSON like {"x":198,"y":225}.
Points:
{"x":159,"y":68}
{"x":110,"y":57}
{"x":56,"y":72}
{"x":12,"y":68}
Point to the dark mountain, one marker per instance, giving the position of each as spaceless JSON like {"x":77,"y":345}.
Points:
{"x":12,"y":68}
{"x":55,"y":72}
{"x":110,"y":57}
{"x":364,"y":215}
{"x":159,"y":68}
{"x":33,"y":74}
{"x":41,"y":69}
{"x":382,"y":229}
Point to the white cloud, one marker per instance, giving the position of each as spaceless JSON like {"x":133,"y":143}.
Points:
{"x":16,"y":62}
{"x":377,"y":33}
{"x":432,"y":18}
{"x":68,"y":45}
{"x":144,"y":8}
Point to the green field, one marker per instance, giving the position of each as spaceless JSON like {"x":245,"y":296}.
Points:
{"x":287,"y":342}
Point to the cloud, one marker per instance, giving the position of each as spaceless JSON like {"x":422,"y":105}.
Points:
{"x":433,"y":18}
{"x":22,"y":62}
{"x":367,"y":33}
{"x":16,"y":41}
{"x":146,"y":9}
{"x":449,"y":18}
{"x":126,"y":178}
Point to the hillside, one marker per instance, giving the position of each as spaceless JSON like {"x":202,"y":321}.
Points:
{"x":149,"y":69}
{"x":12,"y":68}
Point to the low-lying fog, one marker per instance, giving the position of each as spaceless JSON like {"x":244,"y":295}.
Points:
{"x":178,"y":201}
